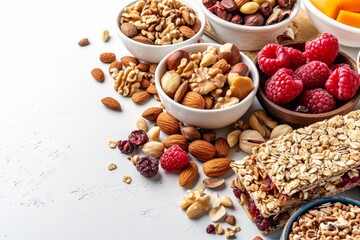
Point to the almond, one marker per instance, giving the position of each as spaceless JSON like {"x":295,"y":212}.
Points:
{"x":107,"y":57}
{"x":217,"y":167}
{"x":144,"y":84}
{"x":208,"y":102}
{"x":181,"y":91}
{"x":142,"y":39}
{"x":222,"y":65}
{"x":188,"y":174}
{"x":98,"y":74}
{"x":197,"y":25}
{"x":152,"y":113}
{"x":222,"y":147}
{"x":140,"y":97}
{"x":177,"y":139}
{"x":115,"y":64}
{"x":152,"y":68}
{"x":83,"y":42}
{"x":143,"y":67}
{"x":168,"y":124}
{"x":151,"y":89}
{"x":126,"y":60}
{"x":186,"y":31}
{"x":202,"y":150}
{"x":194,"y":100}
{"x":111,"y":103}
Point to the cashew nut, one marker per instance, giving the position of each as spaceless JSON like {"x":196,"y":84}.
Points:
{"x":260,"y":122}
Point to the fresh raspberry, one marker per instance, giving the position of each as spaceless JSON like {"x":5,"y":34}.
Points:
{"x":343,"y":83}
{"x":335,"y":66}
{"x":284,"y":86}
{"x":313,"y":74}
{"x":324,"y":48}
{"x":317,"y":100}
{"x":272,"y":57}
{"x":175,"y":158}
{"x":297,"y":58}
{"x":147,"y":166}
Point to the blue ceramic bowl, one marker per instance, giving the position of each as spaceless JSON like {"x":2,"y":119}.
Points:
{"x":309,"y":206}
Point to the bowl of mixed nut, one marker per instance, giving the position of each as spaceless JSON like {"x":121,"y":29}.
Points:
{"x":150,"y":29}
{"x":327,"y":218}
{"x":305,"y":82}
{"x":250,"y":24}
{"x":207,"y":85}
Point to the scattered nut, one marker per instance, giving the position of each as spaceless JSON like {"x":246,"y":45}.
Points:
{"x":249,"y":139}
{"x":226,"y":201}
{"x":83,"y":42}
{"x":141,"y":124}
{"x":230,"y":219}
{"x":219,"y":229}
{"x":153,"y":148}
{"x":260,"y":122}
{"x":127,"y":179}
{"x":112,"y":166}
{"x":209,"y":136}
{"x":217,"y":214}
{"x":107,"y":57}
{"x":229,"y":233}
{"x":98,"y":74}
{"x":237,"y":229}
{"x":112,"y":144}
{"x":233,"y":138}
{"x":213,"y":182}
{"x":105,"y":35}
{"x":257,"y":238}
{"x":154,"y":133}
{"x":190,"y":133}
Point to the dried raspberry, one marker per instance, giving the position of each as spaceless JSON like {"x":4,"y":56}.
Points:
{"x":313,"y":74}
{"x":343,"y":83}
{"x":125,"y":146}
{"x":174,"y":158}
{"x":297,"y":58}
{"x":210,"y":228}
{"x":147,"y":166}
{"x":324,"y":48}
{"x":317,"y":100}
{"x":272,"y":57}
{"x":138,"y":137}
{"x":284,"y":86}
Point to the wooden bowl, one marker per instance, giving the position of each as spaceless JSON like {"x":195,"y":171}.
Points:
{"x":297,"y":119}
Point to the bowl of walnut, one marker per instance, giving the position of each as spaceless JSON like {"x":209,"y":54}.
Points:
{"x":207,"y":85}
{"x":327,"y":218}
{"x":150,"y":29}
{"x":250,"y":24}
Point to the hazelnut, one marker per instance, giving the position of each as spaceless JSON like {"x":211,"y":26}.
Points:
{"x":170,"y":82}
{"x":230,"y":53}
{"x":255,"y":19}
{"x":173,"y":61}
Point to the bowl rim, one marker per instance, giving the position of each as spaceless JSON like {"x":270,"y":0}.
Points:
{"x":286,"y":231}
{"x":250,"y":96}
{"x":310,"y":7}
{"x":239,"y":27}
{"x":335,"y":111}
{"x":192,"y":5}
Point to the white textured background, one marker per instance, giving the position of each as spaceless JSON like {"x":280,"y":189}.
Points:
{"x":54,"y":182}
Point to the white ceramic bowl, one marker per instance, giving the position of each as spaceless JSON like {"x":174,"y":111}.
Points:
{"x":347,"y":36}
{"x":248,"y":38}
{"x":212,"y":118}
{"x":154,"y":53}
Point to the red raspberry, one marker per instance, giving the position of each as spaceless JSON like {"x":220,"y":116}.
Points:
{"x":335,"y":66}
{"x":313,"y":74}
{"x":284,"y":86}
{"x":272,"y":57}
{"x":297,"y":58}
{"x":343,"y":83}
{"x":317,"y":100}
{"x":175,"y":158}
{"x":324,"y":48}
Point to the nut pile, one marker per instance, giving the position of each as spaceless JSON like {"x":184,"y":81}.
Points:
{"x":329,"y":220}
{"x":251,"y":13}
{"x":212,"y":79}
{"x":159,"y":22}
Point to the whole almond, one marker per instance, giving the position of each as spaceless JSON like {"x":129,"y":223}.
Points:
{"x":202,"y":150}
{"x":144,"y":84}
{"x":208,"y":102}
{"x":187,"y":18}
{"x":115,"y":64}
{"x":222,"y":65}
{"x":197,"y":25}
{"x":140,"y":97}
{"x":188,"y":174}
{"x":128,"y":29}
{"x":181,"y":91}
{"x":152,"y":113}
{"x":217,"y":167}
{"x":151,"y":89}
{"x":98,"y":74}
{"x":152,"y":68}
{"x":143,"y":39}
{"x":222,"y":147}
{"x":126,"y":60}
{"x":168,"y":124}
{"x":143,"y":67}
{"x":111,"y":103}
{"x":186,"y":31}
{"x":83,"y":42}
{"x":194,"y":100}
{"x":176,"y":139}
{"x":107,"y":57}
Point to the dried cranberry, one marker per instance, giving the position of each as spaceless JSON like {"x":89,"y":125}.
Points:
{"x":125,"y":146}
{"x":237,"y":192}
{"x":252,"y":207}
{"x":262,"y":223}
{"x":147,"y":166}
{"x":267,"y":186}
{"x":138,"y":137}
{"x":345,"y":181}
{"x":210,"y":228}
{"x":354,"y":179}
